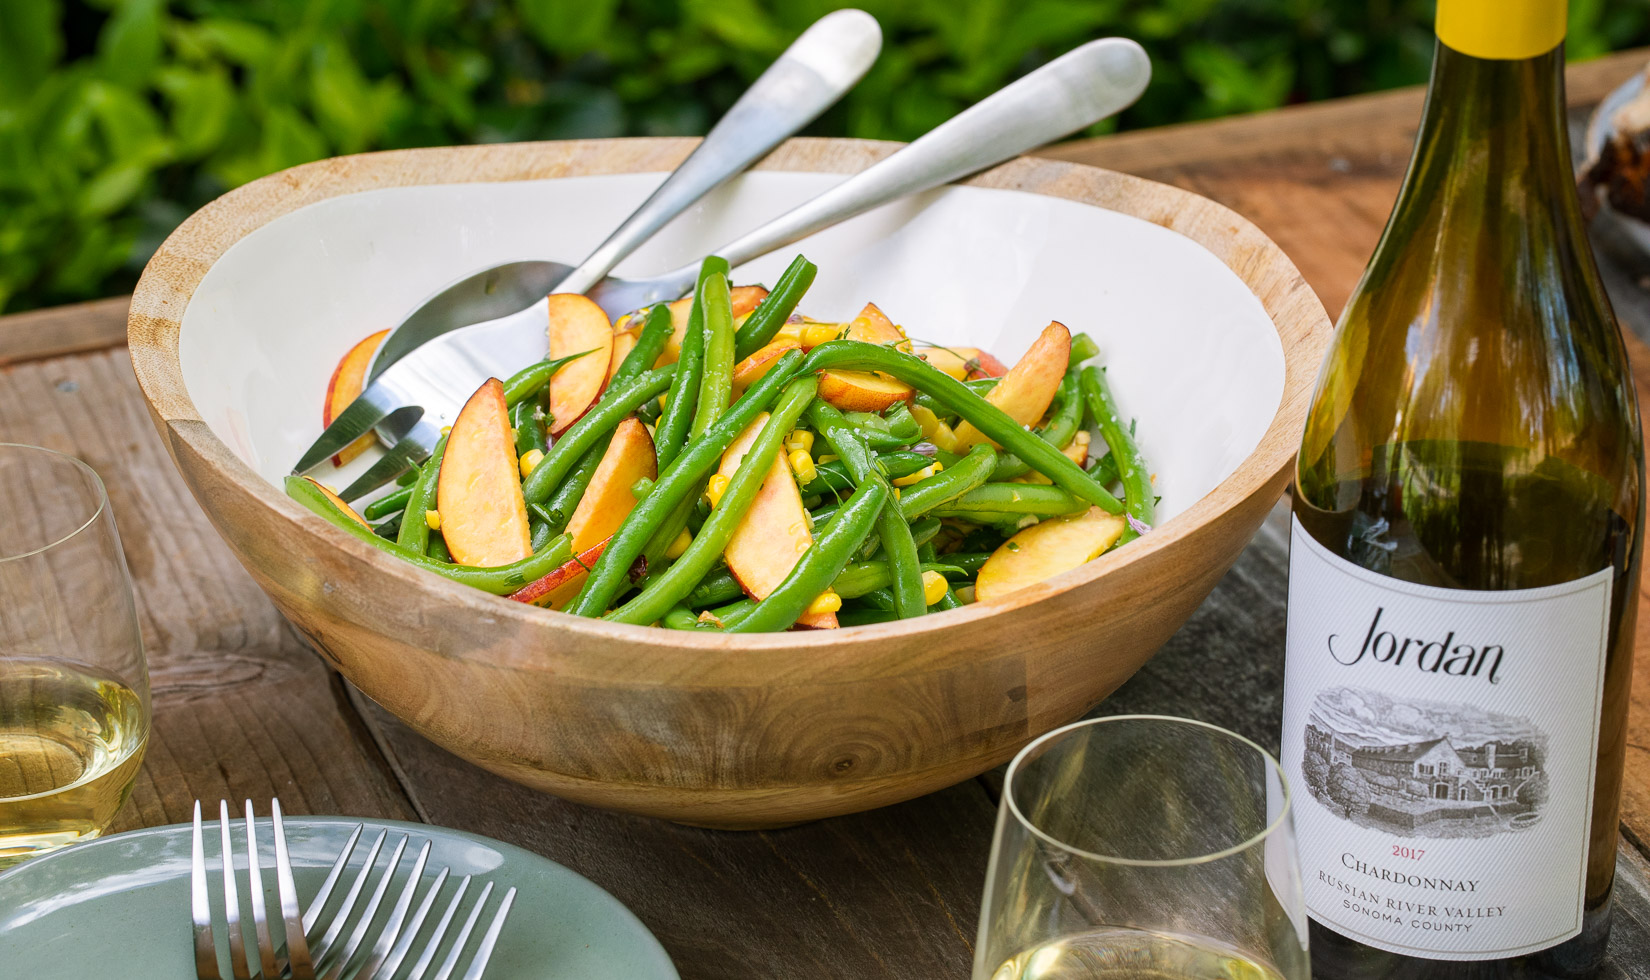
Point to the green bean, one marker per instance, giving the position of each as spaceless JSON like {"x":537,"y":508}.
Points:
{"x":599,"y":421}
{"x":407,"y":477}
{"x":955,"y":480}
{"x":673,"y":487}
{"x":1104,"y":469}
{"x":388,"y":529}
{"x":531,"y":379}
{"x":414,"y":534}
{"x":672,"y":430}
{"x":899,"y":430}
{"x":834,"y":476}
{"x":716,"y":377}
{"x":880,"y":599}
{"x":674,"y":584}
{"x":527,"y":418}
{"x":561,"y":505}
{"x":923,"y":531}
{"x":499,"y":580}
{"x":1014,"y":498}
{"x":770,"y":315}
{"x":927,"y":553}
{"x":864,"y":617}
{"x":820,"y":564}
{"x":1062,"y":427}
{"x":389,"y":504}
{"x":680,"y":618}
{"x":947,"y":601}
{"x":969,"y":561}
{"x":860,"y":577}
{"x":642,"y":487}
{"x":979,"y":386}
{"x":438,"y":548}
{"x":542,"y":532}
{"x":1083,"y":347}
{"x":892,"y":532}
{"x":1140,"y":501}
{"x":717,"y":587}
{"x":988,"y":418}
{"x":650,"y":343}
{"x":733,"y":612}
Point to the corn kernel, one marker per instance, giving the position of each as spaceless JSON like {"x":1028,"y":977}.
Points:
{"x":826,"y":602}
{"x":827,"y":458}
{"x":679,"y":545}
{"x":433,"y":519}
{"x":934,"y":430}
{"x":718,"y":486}
{"x":530,"y":459}
{"x":934,"y":586}
{"x":800,"y":439}
{"x":965,"y":595}
{"x":787,"y":335}
{"x":446,"y":430}
{"x":920,"y":475}
{"x":803,"y":466}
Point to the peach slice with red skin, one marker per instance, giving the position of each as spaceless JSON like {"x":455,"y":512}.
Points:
{"x":345,"y":385}
{"x":608,"y":500}
{"x":563,"y":583}
{"x":623,"y":342}
{"x":1046,"y":549}
{"x":964,"y":363}
{"x":1028,"y":388}
{"x":338,"y":501}
{"x":483,"y":515}
{"x":577,"y":324}
{"x":867,"y":391}
{"x":751,"y":369}
{"x":745,"y":299}
{"x":773,"y":533}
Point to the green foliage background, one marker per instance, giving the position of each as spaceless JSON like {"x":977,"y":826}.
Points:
{"x":119,"y":117}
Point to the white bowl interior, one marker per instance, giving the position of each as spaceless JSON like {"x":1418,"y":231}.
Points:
{"x":1190,"y":351}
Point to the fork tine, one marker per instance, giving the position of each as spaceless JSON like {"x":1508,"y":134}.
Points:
{"x":324,"y":944}
{"x":410,"y":450}
{"x":392,"y":962}
{"x":296,"y":946}
{"x":425,"y":957}
{"x":368,"y":409}
{"x":484,"y":952}
{"x":260,"y":914}
{"x":313,"y":913}
{"x":398,"y":916}
{"x":365,"y":922}
{"x":200,"y":908}
{"x":231,"y":898}
{"x":451,"y":962}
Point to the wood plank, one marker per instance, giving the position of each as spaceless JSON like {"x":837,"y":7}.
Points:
{"x":60,"y":330}
{"x":891,"y":893}
{"x":242,"y":709}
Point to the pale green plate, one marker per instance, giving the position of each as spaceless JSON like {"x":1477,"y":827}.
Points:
{"x":120,"y":906}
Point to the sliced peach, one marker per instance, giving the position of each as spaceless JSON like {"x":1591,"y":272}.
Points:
{"x":562,"y":584}
{"x":347,"y":380}
{"x":577,"y":324}
{"x":773,"y":533}
{"x":964,"y":363}
{"x":752,"y":368}
{"x":608,"y":500}
{"x":622,"y":344}
{"x":338,"y":501}
{"x":1046,"y":549}
{"x":745,"y":299}
{"x":862,"y":391}
{"x":1029,"y":386}
{"x":483,"y":515}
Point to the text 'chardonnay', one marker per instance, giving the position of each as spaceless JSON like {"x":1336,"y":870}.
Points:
{"x":1465,"y":554}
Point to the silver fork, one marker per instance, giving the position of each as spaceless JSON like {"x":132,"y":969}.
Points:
{"x":333,"y":952}
{"x":414,"y":397}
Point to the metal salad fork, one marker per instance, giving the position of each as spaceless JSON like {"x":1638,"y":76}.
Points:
{"x":413,"y":398}
{"x":305,"y":954}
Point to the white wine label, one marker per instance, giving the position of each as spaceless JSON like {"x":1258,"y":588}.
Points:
{"x":1441,"y":746}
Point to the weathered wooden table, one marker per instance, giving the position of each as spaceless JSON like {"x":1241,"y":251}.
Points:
{"x":244,"y":709}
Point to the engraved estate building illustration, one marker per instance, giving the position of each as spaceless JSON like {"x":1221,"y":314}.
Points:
{"x":1472,"y":774}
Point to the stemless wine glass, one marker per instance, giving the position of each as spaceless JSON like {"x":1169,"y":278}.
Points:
{"x":74,"y":689}
{"x":1146,"y":848}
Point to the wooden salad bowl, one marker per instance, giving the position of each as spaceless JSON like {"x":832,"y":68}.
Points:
{"x":728,"y":731}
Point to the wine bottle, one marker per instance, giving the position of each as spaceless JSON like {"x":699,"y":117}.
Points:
{"x":1465,"y":550}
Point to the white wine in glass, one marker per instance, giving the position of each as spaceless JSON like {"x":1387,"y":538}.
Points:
{"x":74,"y":689}
{"x":1143,"y":848}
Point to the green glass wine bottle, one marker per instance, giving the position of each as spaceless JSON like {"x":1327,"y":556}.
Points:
{"x":1465,"y":551}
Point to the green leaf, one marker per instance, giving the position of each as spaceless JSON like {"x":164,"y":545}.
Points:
{"x":112,"y":188}
{"x":201,"y":104}
{"x":129,"y":46}
{"x":30,"y":44}
{"x":741,"y":24}
{"x":568,"y":27}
